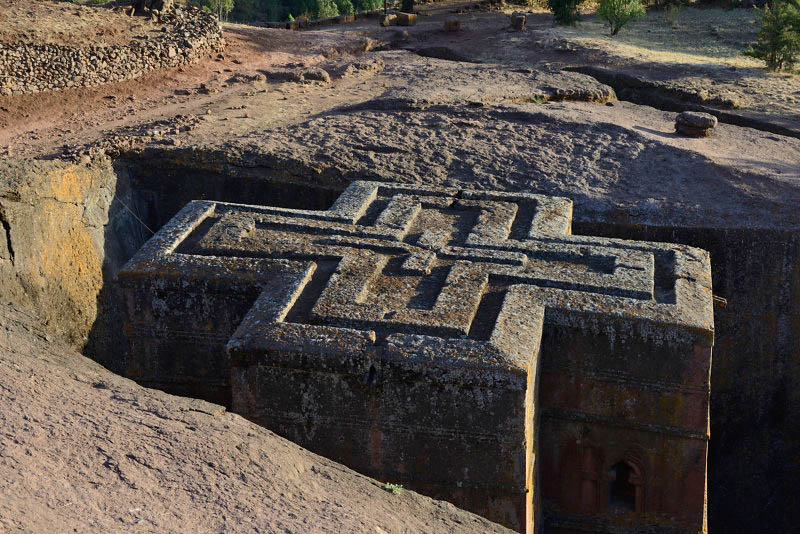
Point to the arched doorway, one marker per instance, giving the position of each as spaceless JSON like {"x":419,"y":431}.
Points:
{"x":624,"y":488}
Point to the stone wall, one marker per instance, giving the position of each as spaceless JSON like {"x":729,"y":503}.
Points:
{"x":32,"y":68}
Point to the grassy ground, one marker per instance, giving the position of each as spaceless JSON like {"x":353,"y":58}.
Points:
{"x":700,"y":51}
{"x":697,"y":36}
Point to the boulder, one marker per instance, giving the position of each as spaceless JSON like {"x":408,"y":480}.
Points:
{"x":695,"y":124}
{"x":316,"y":74}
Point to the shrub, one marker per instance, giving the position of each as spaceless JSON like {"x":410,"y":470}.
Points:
{"x":619,"y":12}
{"x":778,"y":41}
{"x":565,"y":11}
{"x":396,"y":489}
{"x":345,"y":7}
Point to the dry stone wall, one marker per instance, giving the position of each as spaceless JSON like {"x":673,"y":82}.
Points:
{"x":32,"y":68}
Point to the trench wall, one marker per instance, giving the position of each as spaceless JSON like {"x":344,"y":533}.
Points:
{"x":52,"y":243}
{"x":156,"y":186}
{"x":32,"y":68}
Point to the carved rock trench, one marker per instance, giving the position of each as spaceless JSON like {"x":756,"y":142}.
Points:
{"x":112,"y":208}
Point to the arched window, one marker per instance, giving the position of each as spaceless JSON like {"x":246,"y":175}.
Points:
{"x":622,"y":492}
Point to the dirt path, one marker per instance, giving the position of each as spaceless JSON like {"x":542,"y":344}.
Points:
{"x":41,"y":125}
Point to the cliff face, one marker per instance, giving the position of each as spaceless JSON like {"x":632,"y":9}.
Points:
{"x":52,"y":241}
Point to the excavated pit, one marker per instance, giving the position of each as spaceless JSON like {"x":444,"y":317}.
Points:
{"x":754,"y":411}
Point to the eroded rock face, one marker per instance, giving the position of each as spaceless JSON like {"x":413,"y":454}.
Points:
{"x":51,"y":255}
{"x":83,"y":449}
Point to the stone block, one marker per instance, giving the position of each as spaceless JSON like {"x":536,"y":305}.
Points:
{"x":518,"y":21}
{"x":695,"y":124}
{"x":388,"y":20}
{"x":452,"y":25}
{"x":406,"y":19}
{"x":463,"y":344}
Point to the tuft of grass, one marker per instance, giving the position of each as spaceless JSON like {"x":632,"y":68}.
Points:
{"x":395,"y":489}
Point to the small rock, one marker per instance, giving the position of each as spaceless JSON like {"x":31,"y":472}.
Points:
{"x":388,"y":20}
{"x":695,"y":124}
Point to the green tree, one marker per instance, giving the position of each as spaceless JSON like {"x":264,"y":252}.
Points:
{"x":617,"y":13}
{"x":245,"y":10}
{"x":367,"y":5}
{"x":565,"y":12}
{"x":326,"y":8}
{"x":220,"y":7}
{"x":778,"y":41}
{"x":273,"y":10}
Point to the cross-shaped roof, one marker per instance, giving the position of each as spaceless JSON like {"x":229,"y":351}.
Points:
{"x":466,"y":276}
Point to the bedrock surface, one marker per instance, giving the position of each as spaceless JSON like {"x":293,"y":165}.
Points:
{"x":83,"y":449}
